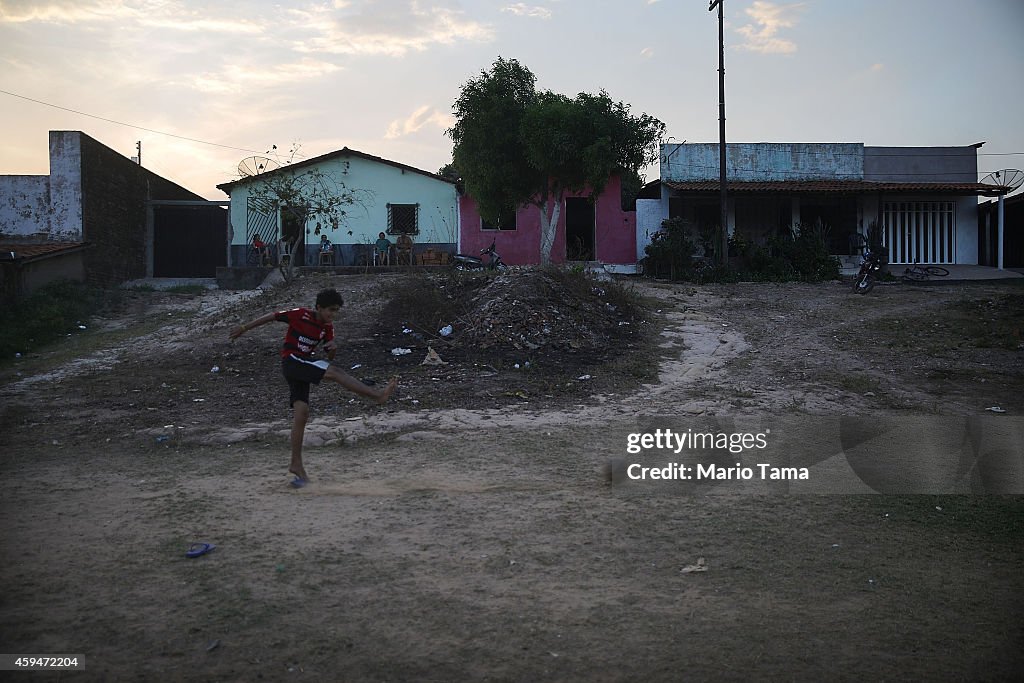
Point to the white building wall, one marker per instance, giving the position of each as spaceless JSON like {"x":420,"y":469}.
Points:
{"x":649,"y":215}
{"x":763,"y":161}
{"x":46,"y":207}
{"x":374,"y":185}
{"x":967,"y":230}
{"x":25,"y":206}
{"x":65,"y":185}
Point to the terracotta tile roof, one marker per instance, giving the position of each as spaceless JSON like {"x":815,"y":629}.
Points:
{"x":839,"y":186}
{"x":35,"y":250}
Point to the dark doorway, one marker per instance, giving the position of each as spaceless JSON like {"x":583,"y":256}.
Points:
{"x":837,"y":217}
{"x":189,"y":241}
{"x":293,"y":230}
{"x":579,"y":229}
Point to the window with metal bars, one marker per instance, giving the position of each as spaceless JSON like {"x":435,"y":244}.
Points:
{"x":403,"y":219}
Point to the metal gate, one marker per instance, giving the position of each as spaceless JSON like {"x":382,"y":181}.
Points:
{"x":261,"y":220}
{"x":189,"y":238}
{"x":920,"y":232}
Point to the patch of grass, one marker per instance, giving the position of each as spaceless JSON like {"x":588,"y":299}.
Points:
{"x":856,"y":383}
{"x":48,"y":314}
{"x":75,"y":346}
{"x":641,"y":365}
{"x":995,"y":322}
{"x":1000,"y":518}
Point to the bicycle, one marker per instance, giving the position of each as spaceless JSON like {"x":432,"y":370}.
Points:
{"x":919,"y":273}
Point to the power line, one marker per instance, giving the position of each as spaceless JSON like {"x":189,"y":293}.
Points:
{"x":129,"y":125}
{"x":874,"y":155}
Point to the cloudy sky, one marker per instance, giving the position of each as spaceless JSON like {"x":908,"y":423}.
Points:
{"x":205,"y":84}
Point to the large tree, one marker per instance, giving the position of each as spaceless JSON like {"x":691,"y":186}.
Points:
{"x":515,"y":145}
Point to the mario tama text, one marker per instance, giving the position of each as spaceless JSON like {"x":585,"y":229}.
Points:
{"x":707,"y":443}
{"x":711,"y":471}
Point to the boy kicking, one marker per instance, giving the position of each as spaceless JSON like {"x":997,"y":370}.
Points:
{"x":308,"y":330}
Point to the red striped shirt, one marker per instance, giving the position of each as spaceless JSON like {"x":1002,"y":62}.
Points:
{"x":305,"y":333}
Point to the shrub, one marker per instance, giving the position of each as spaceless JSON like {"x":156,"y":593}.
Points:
{"x":801,"y":253}
{"x":670,"y":253}
{"x":47,"y":314}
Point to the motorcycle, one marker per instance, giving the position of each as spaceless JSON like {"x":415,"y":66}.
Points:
{"x":870,"y":265}
{"x":466,"y":262}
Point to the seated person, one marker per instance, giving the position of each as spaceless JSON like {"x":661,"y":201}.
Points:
{"x":260,"y":247}
{"x":326,"y":250}
{"x":404,"y":245}
{"x":383,"y":247}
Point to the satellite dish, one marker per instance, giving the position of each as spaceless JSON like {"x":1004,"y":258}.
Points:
{"x":251,"y":166}
{"x":1010,"y":178}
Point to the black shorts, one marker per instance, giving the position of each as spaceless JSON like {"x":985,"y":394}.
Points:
{"x":300,"y":374}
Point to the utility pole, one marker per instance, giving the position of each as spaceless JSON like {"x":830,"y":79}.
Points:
{"x":723,"y":198}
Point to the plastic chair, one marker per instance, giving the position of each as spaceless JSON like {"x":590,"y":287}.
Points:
{"x":284,"y":253}
{"x":381,"y":257}
{"x":327,"y":258}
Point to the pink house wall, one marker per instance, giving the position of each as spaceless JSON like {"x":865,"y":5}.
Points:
{"x":614,"y":232}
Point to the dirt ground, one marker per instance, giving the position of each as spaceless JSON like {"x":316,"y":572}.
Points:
{"x":472,"y":529}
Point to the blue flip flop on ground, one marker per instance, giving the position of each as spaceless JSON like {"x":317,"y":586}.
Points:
{"x":197,"y":549}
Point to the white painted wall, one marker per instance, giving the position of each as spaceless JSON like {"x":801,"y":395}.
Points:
{"x":24,"y":205}
{"x":649,"y":215}
{"x":65,"y":185}
{"x":967,"y":230}
{"x":46,"y":207}
{"x":764,"y":161}
{"x":376,"y":184}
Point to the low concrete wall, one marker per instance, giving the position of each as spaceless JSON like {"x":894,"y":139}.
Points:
{"x":250,"y":278}
{"x":241,"y":278}
{"x":18,"y":279}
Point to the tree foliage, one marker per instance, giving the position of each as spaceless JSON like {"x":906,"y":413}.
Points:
{"x":515,"y":145}
{"x":311,"y":195}
{"x":488,"y":150}
{"x":310,"y":199}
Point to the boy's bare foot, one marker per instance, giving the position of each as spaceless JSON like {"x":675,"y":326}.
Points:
{"x":299,"y":472}
{"x":385,"y":394}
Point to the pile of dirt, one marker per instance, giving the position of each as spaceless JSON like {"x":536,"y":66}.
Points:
{"x":547,"y":309}
{"x":546,"y":334}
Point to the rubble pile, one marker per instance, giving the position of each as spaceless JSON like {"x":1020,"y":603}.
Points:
{"x":531,"y":310}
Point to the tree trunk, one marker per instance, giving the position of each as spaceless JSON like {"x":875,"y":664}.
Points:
{"x":549,"y":227}
{"x":288,"y":269}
